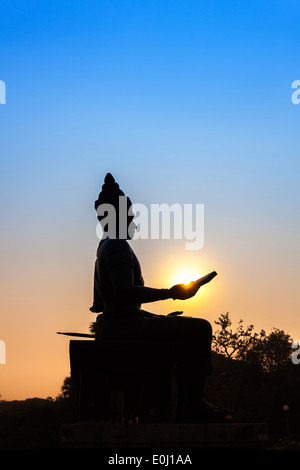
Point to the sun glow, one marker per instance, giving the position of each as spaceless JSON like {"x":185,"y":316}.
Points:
{"x":185,"y":276}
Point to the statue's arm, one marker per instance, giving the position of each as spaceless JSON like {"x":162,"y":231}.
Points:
{"x":125,"y":290}
{"x":123,"y":283}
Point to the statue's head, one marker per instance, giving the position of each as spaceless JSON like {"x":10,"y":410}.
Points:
{"x":114,"y":210}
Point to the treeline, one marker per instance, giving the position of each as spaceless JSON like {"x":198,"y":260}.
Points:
{"x":33,"y":423}
{"x":255,"y":376}
{"x":263,"y":352}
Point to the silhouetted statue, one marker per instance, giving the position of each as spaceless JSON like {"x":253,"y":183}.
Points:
{"x":119,"y":292}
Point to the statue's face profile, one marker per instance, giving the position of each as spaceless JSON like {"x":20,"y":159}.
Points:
{"x":131,"y":227}
{"x":117,"y":221}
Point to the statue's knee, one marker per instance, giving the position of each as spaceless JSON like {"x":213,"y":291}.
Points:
{"x":207,"y":328}
{"x":201,"y":328}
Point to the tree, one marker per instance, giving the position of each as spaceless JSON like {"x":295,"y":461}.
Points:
{"x":269,"y":352}
{"x":228,"y":343}
{"x":265,"y":352}
{"x":67,"y":388}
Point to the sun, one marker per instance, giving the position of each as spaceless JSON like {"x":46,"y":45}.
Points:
{"x":185,"y":276}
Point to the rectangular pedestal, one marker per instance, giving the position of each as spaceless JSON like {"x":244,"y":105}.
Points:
{"x":106,"y":435}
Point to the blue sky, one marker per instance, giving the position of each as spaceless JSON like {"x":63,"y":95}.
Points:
{"x":183,"y":87}
{"x":182,"y":101}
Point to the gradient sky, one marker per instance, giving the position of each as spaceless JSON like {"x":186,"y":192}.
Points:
{"x":182,"y":101}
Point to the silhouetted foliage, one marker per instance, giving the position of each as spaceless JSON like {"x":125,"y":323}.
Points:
{"x":32,"y":423}
{"x":67,"y":388}
{"x":93,"y":327}
{"x":264,"y":352}
{"x":254,"y":375}
{"x":229,"y":343}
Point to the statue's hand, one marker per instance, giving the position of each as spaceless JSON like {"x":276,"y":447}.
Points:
{"x":183,"y":291}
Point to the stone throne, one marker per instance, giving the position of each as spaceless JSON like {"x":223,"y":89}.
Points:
{"x":120,"y":381}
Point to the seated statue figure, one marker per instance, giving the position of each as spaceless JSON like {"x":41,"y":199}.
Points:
{"x":119,"y":293}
